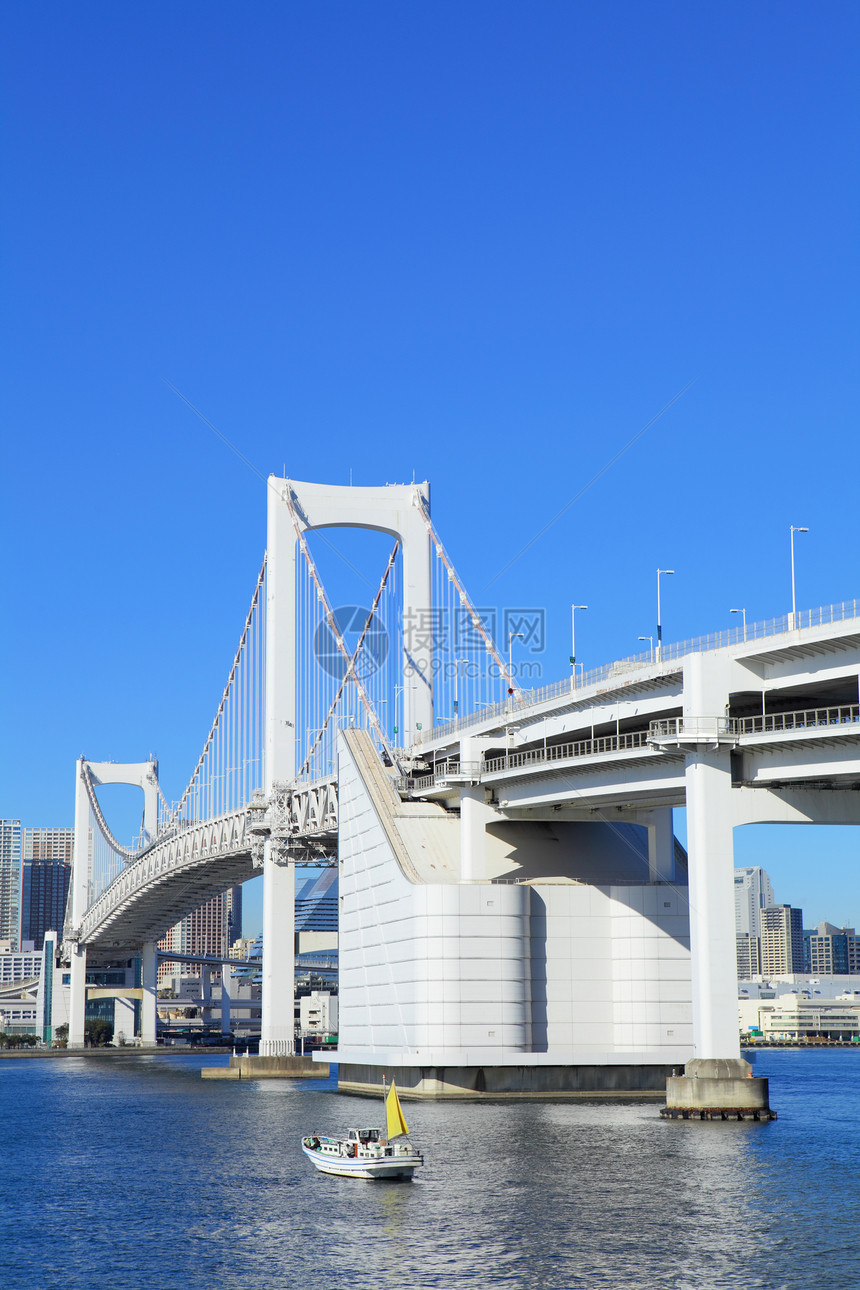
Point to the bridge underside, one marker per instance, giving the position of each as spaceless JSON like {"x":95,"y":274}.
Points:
{"x":148,"y":914}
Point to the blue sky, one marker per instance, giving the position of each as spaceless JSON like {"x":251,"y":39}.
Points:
{"x":483,"y":243}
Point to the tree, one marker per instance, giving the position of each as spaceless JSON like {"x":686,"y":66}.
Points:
{"x":99,"y":1032}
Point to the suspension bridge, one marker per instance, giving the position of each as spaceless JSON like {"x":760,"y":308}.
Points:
{"x":514,"y":905}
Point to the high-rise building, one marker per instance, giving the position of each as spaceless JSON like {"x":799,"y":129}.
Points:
{"x":10,"y":882}
{"x":211,"y":928}
{"x":45,"y":874}
{"x":831,"y":951}
{"x":781,"y":940}
{"x":753,"y":893}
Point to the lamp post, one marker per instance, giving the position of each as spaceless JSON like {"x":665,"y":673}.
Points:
{"x":667,"y":572}
{"x":794,"y":529}
{"x":512,"y":636}
{"x":744,"y":612}
{"x":650,"y":640}
{"x":457,"y":662}
{"x":573,"y":610}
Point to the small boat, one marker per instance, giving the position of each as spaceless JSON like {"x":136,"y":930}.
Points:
{"x":367,"y":1153}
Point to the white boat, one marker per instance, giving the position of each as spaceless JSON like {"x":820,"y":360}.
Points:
{"x":367,"y":1153}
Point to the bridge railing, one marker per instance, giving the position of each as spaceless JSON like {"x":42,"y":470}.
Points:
{"x":452,"y":771}
{"x":821,"y":616}
{"x":666,"y":728}
{"x":809,"y":719}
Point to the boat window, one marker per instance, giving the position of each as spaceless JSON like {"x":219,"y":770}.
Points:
{"x":369,"y":1135}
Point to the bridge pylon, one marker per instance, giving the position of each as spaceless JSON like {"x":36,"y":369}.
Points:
{"x":89,"y":872}
{"x":294,"y":509}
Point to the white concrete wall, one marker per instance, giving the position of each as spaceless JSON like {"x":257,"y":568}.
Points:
{"x":617,"y":969}
{"x":424,"y":967}
{"x":482,"y":972}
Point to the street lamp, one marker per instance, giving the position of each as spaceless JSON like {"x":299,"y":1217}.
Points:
{"x":667,"y":572}
{"x":512,"y":636}
{"x":573,"y":610}
{"x":794,"y":529}
{"x":650,"y":640}
{"x":457,"y":662}
{"x":744,"y":612}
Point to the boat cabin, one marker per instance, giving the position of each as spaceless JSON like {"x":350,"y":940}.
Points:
{"x":363,"y":1135}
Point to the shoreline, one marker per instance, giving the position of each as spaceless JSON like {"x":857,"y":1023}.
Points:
{"x":178,"y":1050}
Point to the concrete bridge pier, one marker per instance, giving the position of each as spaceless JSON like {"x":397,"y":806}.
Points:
{"x":123,"y":1020}
{"x":277,"y":1020}
{"x":717,"y":1081}
{"x":149,"y":984}
{"x":77,"y":995}
{"x":225,"y":998}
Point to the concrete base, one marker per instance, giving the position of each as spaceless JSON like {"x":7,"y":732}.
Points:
{"x":717,"y":1089}
{"x":268,"y":1068}
{"x":508,"y":1083}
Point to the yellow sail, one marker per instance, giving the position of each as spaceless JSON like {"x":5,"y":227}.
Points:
{"x":394,"y":1116}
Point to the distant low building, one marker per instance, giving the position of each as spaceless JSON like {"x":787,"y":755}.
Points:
{"x":796,"y":1017}
{"x":318,"y":1013}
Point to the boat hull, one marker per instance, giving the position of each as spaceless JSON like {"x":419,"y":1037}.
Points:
{"x":369,"y":1169}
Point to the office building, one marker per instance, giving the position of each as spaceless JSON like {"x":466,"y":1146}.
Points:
{"x":753,"y":893}
{"x":749,"y":956}
{"x":781,"y":940}
{"x":210,"y":929}
{"x":45,"y":872}
{"x":831,"y":951}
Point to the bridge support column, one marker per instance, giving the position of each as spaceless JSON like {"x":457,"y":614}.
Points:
{"x":205,"y":994}
{"x":472,"y":813}
{"x":717,"y":1083}
{"x":77,"y":995}
{"x":123,"y":1021}
{"x":661,"y":846}
{"x":225,"y":998}
{"x":712,"y":903}
{"x":277,"y":1026}
{"x":149,"y":982}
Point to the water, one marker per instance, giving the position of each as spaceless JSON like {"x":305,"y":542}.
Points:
{"x":137,"y":1173}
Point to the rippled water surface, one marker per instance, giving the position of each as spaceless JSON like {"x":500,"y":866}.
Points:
{"x":138,"y":1173}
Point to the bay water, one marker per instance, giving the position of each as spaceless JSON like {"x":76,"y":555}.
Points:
{"x":135,"y":1172}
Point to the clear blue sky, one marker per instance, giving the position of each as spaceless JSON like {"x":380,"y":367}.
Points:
{"x":483,"y":242}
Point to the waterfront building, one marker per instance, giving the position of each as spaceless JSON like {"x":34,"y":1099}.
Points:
{"x":10,"y":882}
{"x":20,"y":971}
{"x":45,"y":872}
{"x":781,"y":939}
{"x":797,"y":1016}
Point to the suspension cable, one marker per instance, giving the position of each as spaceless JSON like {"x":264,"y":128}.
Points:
{"x":333,"y":627}
{"x":210,"y":737}
{"x":351,"y":667}
{"x":126,"y":852}
{"x":465,"y":599}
